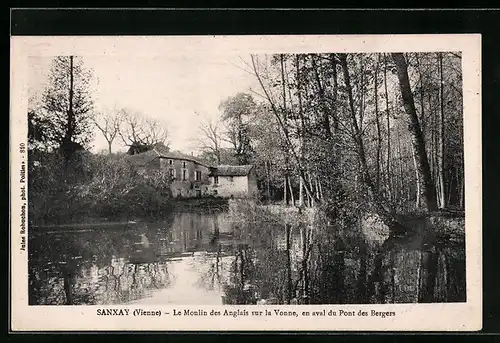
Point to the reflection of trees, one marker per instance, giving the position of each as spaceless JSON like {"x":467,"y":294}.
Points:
{"x":240,"y":288}
{"x":127,"y":282}
{"x":341,"y":267}
{"x":92,"y":267}
{"x":262,"y":268}
{"x":214,"y":272}
{"x":428,"y":272}
{"x":328,"y":273}
{"x":303,"y":279}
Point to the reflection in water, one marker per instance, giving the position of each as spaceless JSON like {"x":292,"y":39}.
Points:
{"x":196,"y":258}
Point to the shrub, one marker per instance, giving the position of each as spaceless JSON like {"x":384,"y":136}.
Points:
{"x":94,"y":186}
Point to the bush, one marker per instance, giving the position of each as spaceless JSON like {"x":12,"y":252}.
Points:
{"x":94,"y":186}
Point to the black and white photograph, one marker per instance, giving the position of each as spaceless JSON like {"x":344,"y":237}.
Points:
{"x":223,"y":177}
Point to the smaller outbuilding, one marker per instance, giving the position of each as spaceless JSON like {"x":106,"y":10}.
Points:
{"x":233,"y":181}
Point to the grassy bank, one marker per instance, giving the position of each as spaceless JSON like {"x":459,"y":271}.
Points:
{"x":83,"y":217}
{"x":208,"y":204}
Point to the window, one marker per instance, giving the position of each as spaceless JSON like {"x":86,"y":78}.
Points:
{"x":171,"y":172}
{"x":184,"y":175}
{"x":170,"y":162}
{"x":197,"y":175}
{"x":184,"y":164}
{"x":216,"y":180}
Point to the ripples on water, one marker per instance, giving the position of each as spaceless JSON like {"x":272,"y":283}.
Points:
{"x":196,"y":258}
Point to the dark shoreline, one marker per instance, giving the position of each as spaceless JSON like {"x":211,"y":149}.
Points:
{"x":203,"y":205}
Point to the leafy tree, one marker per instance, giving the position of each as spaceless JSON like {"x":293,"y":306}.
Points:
{"x":423,"y":168}
{"x":64,"y":118}
{"x":237,"y":113}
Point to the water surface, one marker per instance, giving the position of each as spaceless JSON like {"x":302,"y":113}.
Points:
{"x":207,"y":258}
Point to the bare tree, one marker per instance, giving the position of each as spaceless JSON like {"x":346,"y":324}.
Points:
{"x":210,"y":139}
{"x":275,"y":109}
{"x":441,"y":160}
{"x":140,"y":134}
{"x":108,"y":123}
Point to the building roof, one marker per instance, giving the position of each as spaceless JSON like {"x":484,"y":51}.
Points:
{"x":161,"y":151}
{"x":225,"y":170}
{"x":143,"y":158}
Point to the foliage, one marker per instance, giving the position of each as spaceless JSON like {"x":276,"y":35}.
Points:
{"x":325,"y":138}
{"x":93,"y":186}
{"x":237,"y":114}
{"x":66,"y":109}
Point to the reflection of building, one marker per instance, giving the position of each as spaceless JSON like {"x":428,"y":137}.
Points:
{"x":236,"y":181}
{"x":193,"y":232}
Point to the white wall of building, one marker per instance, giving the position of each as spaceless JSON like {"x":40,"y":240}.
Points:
{"x":230,"y":185}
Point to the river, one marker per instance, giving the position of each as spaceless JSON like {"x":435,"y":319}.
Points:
{"x":204,"y":258}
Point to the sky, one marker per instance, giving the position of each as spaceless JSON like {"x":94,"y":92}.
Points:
{"x":179,"y":89}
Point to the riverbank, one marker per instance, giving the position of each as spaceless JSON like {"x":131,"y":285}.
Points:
{"x":85,"y":221}
{"x":442,"y":224}
{"x":200,"y":204}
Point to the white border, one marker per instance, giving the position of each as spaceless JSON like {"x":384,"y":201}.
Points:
{"x":409,"y":317}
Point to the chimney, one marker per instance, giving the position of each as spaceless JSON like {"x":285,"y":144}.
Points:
{"x":192,"y":153}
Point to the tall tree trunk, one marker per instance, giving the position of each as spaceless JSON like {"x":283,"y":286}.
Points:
{"x":441,"y":174}
{"x":417,"y":180}
{"x":431,"y":154}
{"x":67,"y":147}
{"x":429,"y":195}
{"x":285,"y":122}
{"x":321,"y":91}
{"x":422,"y":98}
{"x":301,"y":193}
{"x":71,"y":93}
{"x":362,"y":90}
{"x":377,"y":121}
{"x":422,"y":121}
{"x":388,"y":163}
{"x":302,"y":128}
{"x":435,"y":150}
{"x":400,"y":167}
{"x":320,"y":195}
{"x":285,"y":191}
{"x":316,"y":187}
{"x":292,"y":197}
{"x":335,"y":94}
{"x":268,"y":176}
{"x":384,"y":213}
{"x":310,"y":185}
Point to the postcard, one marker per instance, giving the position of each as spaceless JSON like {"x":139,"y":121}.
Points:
{"x":246,"y":183}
